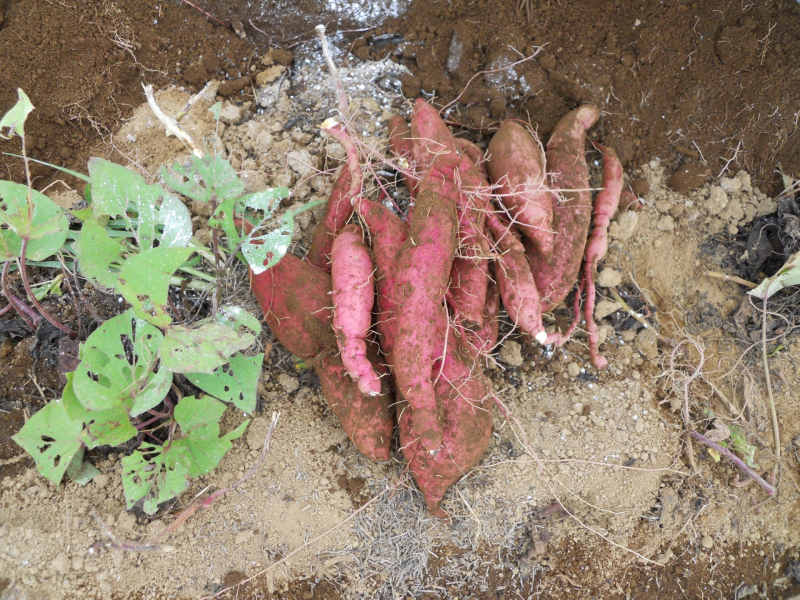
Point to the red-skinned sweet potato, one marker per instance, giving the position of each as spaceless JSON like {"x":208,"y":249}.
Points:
{"x":339,"y":206}
{"x":556,"y":274}
{"x":517,"y":167}
{"x":514,"y":278}
{"x":294,"y":297}
{"x":353,"y":297}
{"x":423,"y":274}
{"x":401,"y":146}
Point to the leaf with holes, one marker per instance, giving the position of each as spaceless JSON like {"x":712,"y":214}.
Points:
{"x":144,"y":281}
{"x":118,"y":365}
{"x":199,"y":421}
{"x":263,"y":250}
{"x":201,"y":349}
{"x":255,"y":208}
{"x":99,"y":256}
{"x":46,"y":229}
{"x":156,"y":474}
{"x":52,"y":439}
{"x":14,"y":119}
{"x":235,"y":382}
{"x":207,"y":178}
{"x":236,"y":317}
{"x":117,"y":191}
{"x":110,"y":427}
{"x":81,"y":471}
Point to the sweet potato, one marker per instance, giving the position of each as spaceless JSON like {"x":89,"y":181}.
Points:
{"x":475,"y":155}
{"x":516,"y":166}
{"x":339,"y":206}
{"x":482,"y":341}
{"x":389,"y":234}
{"x":605,"y":205}
{"x":515,"y":280}
{"x":555,"y":274}
{"x":294,"y":297}
{"x":461,"y":391}
{"x":353,"y":297}
{"x":430,"y":136}
{"x":422,"y":278}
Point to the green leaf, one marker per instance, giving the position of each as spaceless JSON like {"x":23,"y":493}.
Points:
{"x":236,"y":317}
{"x":80,"y":471}
{"x":207,"y":178}
{"x":787,"y":276}
{"x":52,"y":439}
{"x":117,"y":191}
{"x":235,"y":382}
{"x":144,"y":281}
{"x":264,"y":251}
{"x":201,"y":349}
{"x":117,"y":365}
{"x":110,"y":427}
{"x":254,"y":207}
{"x":199,"y":421}
{"x":97,"y":253}
{"x":156,"y":474}
{"x":215,"y":110}
{"x":46,"y":229}
{"x":14,"y":119}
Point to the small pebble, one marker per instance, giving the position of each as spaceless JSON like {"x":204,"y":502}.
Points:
{"x":707,"y":542}
{"x":573,"y":369}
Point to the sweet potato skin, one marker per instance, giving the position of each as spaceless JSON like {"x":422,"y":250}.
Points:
{"x":294,"y":297}
{"x":353,"y":297}
{"x":401,"y":146}
{"x":422,"y":278}
{"x":555,"y":274}
{"x":430,"y":135}
{"x":517,"y":166}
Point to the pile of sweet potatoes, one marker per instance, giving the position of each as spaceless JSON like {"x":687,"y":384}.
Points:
{"x":396,"y":312}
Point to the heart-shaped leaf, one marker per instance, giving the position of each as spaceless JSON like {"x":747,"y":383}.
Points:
{"x":46,"y":228}
{"x":14,"y":119}
{"x":201,"y":349}
{"x":235,"y":382}
{"x":99,"y":256}
{"x":207,"y":178}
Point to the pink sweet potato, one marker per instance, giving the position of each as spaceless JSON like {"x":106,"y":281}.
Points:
{"x":475,"y":155}
{"x":482,"y":341}
{"x":339,"y":206}
{"x":422,"y":278}
{"x":461,"y":391}
{"x":353,"y":297}
{"x":514,"y":278}
{"x":388,"y":234}
{"x":555,"y":274}
{"x":516,"y":166}
{"x":430,"y":136}
{"x":605,"y":205}
{"x":294,"y":297}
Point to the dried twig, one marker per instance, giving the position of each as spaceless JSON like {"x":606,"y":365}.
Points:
{"x":735,"y":460}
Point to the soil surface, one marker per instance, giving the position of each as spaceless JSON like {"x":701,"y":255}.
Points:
{"x":616,"y":512}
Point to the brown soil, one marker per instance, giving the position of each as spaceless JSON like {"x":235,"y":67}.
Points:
{"x":689,"y":82}
{"x":82,"y":65}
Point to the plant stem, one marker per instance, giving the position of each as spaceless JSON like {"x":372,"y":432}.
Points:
{"x":775,"y":431}
{"x":23,"y":270}
{"x":732,"y":279}
{"x":19,"y":306}
{"x":735,"y":460}
{"x":198,"y":274}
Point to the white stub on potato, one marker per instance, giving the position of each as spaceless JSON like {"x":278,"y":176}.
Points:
{"x":541,"y":337}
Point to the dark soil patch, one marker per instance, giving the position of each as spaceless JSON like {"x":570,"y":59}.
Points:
{"x":83,"y":63}
{"x":689,"y":82}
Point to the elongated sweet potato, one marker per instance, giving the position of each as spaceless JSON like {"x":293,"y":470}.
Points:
{"x":475,"y":155}
{"x":353,"y":297}
{"x":294,"y":297}
{"x":461,"y":390}
{"x":517,"y":167}
{"x":515,"y":280}
{"x":556,"y":274}
{"x":389,"y":233}
{"x":430,"y":136}
{"x":605,"y":205}
{"x":339,"y":206}
{"x":481,"y":342}
{"x":422,"y":278}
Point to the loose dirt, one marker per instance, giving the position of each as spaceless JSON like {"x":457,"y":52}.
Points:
{"x":614,"y":511}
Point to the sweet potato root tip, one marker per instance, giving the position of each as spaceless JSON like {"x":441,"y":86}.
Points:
{"x":517,"y":166}
{"x":353,"y":298}
{"x":556,"y":274}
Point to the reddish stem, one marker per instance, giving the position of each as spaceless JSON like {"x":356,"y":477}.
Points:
{"x":735,"y":460}
{"x":23,"y":270}
{"x":31,"y":319}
